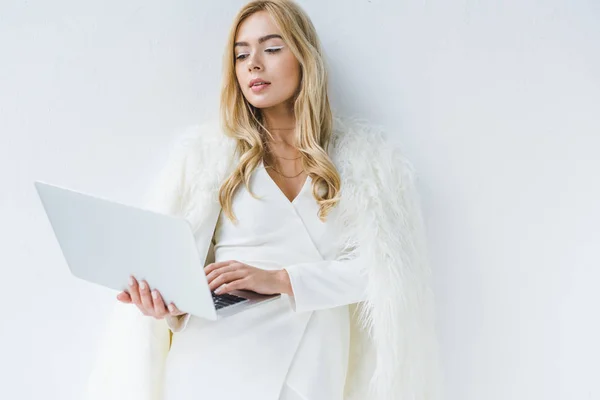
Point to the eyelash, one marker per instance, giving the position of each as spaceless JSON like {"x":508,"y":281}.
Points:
{"x":274,"y":50}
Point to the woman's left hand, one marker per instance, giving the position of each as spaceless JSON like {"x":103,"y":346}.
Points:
{"x":236,"y":275}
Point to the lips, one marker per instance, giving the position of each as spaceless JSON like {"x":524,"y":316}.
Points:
{"x":260,"y":87}
{"x":258,"y":82}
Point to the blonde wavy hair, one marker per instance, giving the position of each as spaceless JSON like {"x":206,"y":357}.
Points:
{"x":244,"y":122}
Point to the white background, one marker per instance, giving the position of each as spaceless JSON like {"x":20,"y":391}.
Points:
{"x":497,"y":104}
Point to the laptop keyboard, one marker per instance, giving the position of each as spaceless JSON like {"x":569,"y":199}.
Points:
{"x":227,"y":299}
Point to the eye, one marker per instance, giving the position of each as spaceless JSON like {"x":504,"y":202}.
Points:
{"x":241,"y":56}
{"x":273,"y":49}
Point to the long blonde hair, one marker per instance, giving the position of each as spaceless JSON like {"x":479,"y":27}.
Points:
{"x":244,"y":122}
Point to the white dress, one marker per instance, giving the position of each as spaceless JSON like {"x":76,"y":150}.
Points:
{"x":292,"y":348}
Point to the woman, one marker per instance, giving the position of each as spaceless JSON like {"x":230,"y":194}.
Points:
{"x":316,"y":208}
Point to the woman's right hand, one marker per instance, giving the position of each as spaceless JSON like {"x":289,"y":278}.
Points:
{"x":149,"y":301}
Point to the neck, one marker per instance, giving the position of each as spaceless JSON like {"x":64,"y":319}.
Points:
{"x":278,"y":120}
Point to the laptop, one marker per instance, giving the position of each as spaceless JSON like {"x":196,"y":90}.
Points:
{"x":104,"y":242}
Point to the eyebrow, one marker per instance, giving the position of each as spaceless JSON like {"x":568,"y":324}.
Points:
{"x":260,"y":40}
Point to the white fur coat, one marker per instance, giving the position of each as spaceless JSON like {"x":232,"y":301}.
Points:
{"x":393,"y":339}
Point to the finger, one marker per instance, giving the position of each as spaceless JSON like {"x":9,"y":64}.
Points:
{"x":226,"y":278}
{"x":232,"y":267}
{"x":239,"y":284}
{"x":124,"y":297}
{"x":174,"y":311}
{"x":160,"y":310}
{"x":145,"y":295}
{"x":212,"y":266}
{"x":134,"y":291}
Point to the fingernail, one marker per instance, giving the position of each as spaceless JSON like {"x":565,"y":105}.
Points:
{"x":131,"y":281}
{"x":154,"y":295}
{"x":142,"y":285}
{"x":171,"y":308}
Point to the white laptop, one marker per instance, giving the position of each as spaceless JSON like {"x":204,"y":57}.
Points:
{"x":105,"y":242}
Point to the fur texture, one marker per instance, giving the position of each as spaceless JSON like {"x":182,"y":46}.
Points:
{"x":394,"y":351}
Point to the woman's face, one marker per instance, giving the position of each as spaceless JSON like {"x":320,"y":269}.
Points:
{"x":260,"y":53}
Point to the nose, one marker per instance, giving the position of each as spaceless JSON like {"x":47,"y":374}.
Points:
{"x":254,"y":63}
{"x":253,"y":66}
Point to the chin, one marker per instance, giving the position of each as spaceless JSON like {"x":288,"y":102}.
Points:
{"x":263,"y":103}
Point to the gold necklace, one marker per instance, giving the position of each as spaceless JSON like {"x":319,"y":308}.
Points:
{"x":285,"y":176}
{"x":289,"y":158}
{"x":275,"y":169}
{"x":284,"y":158}
{"x":280,"y":173}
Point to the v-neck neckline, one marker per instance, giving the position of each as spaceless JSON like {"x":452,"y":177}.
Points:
{"x":278,"y":189}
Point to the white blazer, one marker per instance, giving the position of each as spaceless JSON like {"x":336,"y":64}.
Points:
{"x":299,"y":343}
{"x":393,"y":347}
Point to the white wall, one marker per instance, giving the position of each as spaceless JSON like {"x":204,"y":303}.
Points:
{"x":497,"y":104}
